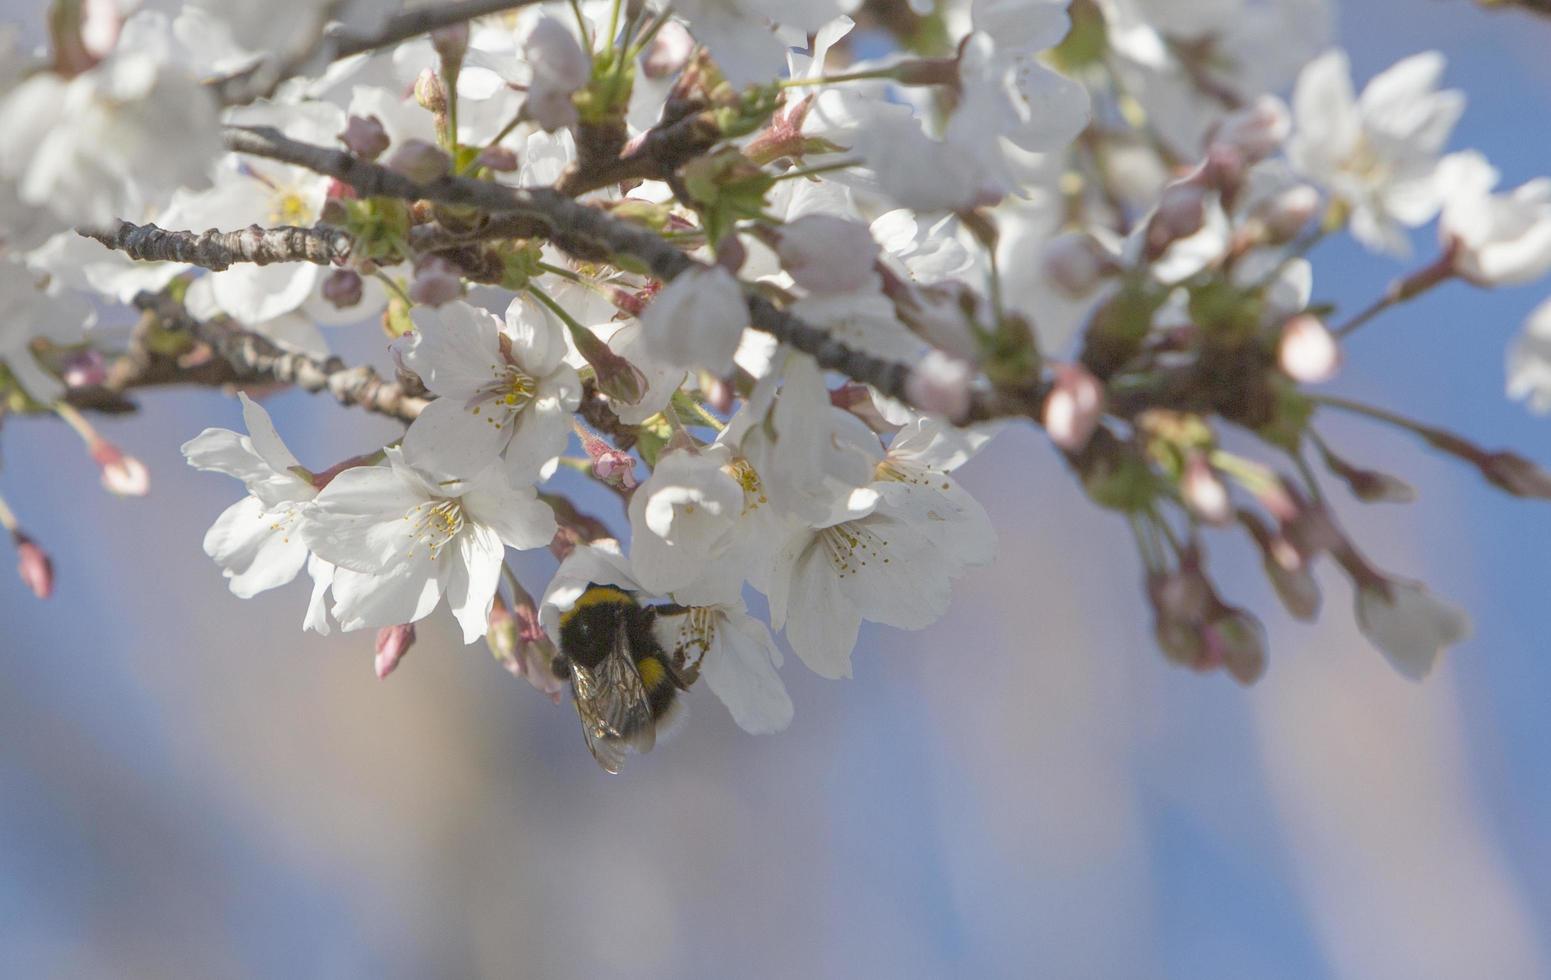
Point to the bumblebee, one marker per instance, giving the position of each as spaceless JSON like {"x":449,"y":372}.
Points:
{"x":624,"y":682}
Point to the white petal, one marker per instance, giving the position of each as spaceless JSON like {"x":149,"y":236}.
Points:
{"x":264,"y":437}
{"x":449,"y":440}
{"x":254,"y":548}
{"x":473,"y":578}
{"x":362,"y":521}
{"x":822,"y":625}
{"x":407,"y":594}
{"x":516,"y":514}
{"x":454,"y":348}
{"x":740,"y":669}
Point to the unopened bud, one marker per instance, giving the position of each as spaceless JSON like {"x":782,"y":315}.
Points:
{"x":1290,"y":575}
{"x":1075,"y":263}
{"x":1516,"y":475}
{"x":420,"y":161}
{"x":1204,"y":491}
{"x":616,"y":377}
{"x":1369,"y":486}
{"x":86,"y":369}
{"x":500,"y":159}
{"x":1074,"y":407}
{"x":1236,"y":640}
{"x":721,"y":395}
{"x":615,"y":468}
{"x":122,"y":474}
{"x":431,"y":92}
{"x":669,"y":51}
{"x":393,"y":642}
{"x":1181,"y":213}
{"x":1257,"y":130}
{"x":1308,"y":352}
{"x":941,"y":385}
{"x":343,"y":289}
{"x":436,"y":282}
{"x":1286,"y":214}
{"x":365,"y":137}
{"x":34,"y":566}
{"x":609,"y":464}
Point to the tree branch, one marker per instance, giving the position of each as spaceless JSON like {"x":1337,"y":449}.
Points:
{"x":239,"y":357}
{"x":421,"y":20}
{"x":217,"y":250}
{"x":593,"y":235}
{"x":261,"y":79}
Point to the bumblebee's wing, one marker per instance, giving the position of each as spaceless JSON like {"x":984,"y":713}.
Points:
{"x":613,"y":706}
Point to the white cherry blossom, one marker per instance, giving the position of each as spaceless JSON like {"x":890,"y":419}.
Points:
{"x":402,"y":541}
{"x":115,"y":140}
{"x":31,"y":312}
{"x":257,"y":541}
{"x":1496,"y":239}
{"x":503,"y":390}
{"x":1377,"y":153}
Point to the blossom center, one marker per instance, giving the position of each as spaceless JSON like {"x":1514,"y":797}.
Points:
{"x":287,"y":206}
{"x":510,"y":392}
{"x":435,"y":523}
{"x":850,"y":546}
{"x":748,"y":479}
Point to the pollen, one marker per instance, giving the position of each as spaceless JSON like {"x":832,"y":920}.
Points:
{"x":507,"y":394}
{"x":753,"y":490}
{"x":436,"y":523}
{"x":849,"y":546}
{"x":287,"y":207}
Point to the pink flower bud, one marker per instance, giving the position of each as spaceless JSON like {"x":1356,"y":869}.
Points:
{"x":1237,"y":641}
{"x":1516,"y":475}
{"x":101,"y":21}
{"x":436,"y":282}
{"x":343,"y":289}
{"x":365,"y":137}
{"x":1289,"y":212}
{"x":941,"y":385}
{"x":430,"y":92}
{"x":1073,"y":407}
{"x":420,"y":161}
{"x":393,"y":642}
{"x":1181,"y":213}
{"x":722,"y":396}
{"x":615,"y":468}
{"x":1308,"y":352}
{"x":1205,"y":493}
{"x":85,"y":370}
{"x":500,"y":159}
{"x":34,"y":566}
{"x":1257,"y":130}
{"x":122,"y":474}
{"x":1075,"y":263}
{"x":669,"y":51}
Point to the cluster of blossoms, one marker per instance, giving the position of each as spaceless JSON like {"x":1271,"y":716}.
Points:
{"x":767,"y":273}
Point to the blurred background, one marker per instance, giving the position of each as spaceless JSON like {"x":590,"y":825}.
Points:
{"x":191,"y":786}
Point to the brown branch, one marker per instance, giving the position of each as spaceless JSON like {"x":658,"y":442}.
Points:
{"x":421,"y":20}
{"x":657,"y":155}
{"x":218,"y":250}
{"x":260,"y":80}
{"x":593,"y":235}
{"x":238,"y":357}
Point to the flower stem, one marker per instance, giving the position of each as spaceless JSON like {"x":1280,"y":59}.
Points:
{"x":1402,"y":290}
{"x":822,"y":168}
